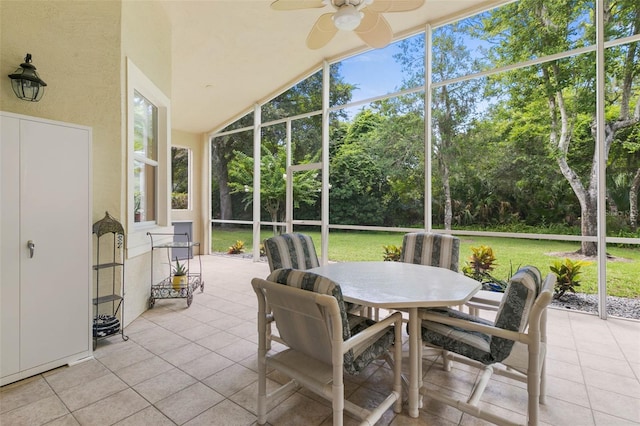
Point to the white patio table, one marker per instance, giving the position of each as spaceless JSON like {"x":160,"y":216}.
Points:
{"x":401,"y":286}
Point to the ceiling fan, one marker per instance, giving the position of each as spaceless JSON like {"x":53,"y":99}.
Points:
{"x":364,"y":17}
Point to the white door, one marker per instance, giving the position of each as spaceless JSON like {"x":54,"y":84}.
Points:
{"x":54,"y":216}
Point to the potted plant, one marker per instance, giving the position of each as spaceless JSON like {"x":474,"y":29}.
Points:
{"x":180,"y":277}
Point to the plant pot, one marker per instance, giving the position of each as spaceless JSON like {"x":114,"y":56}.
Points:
{"x":179,"y":281}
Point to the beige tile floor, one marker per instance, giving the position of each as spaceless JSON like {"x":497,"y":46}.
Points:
{"x":197,"y":366}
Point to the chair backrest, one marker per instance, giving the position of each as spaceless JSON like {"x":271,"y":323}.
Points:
{"x":305,"y":310}
{"x":516,"y":306}
{"x":291,"y":251}
{"x":432,"y":249}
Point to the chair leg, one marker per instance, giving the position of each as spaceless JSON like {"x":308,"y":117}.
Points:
{"x":446,"y":362}
{"x":264,"y":342}
{"x":533,"y":388}
{"x":262,"y":383}
{"x":397,"y":368}
{"x":338,"y":404}
{"x":543,"y":382}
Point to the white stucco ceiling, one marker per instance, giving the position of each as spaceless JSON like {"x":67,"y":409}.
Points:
{"x":228,"y":55}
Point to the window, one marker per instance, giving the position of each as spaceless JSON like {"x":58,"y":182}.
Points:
{"x":180,"y":178}
{"x":145,"y":158}
{"x":148,"y":142}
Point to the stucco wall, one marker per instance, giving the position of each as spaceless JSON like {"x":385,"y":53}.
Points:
{"x":197,"y":214}
{"x":80,"y":50}
{"x":76,"y":49}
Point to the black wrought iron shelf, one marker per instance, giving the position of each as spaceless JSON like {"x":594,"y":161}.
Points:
{"x":105,"y":299}
{"x":107,"y":265}
{"x":108,"y":309}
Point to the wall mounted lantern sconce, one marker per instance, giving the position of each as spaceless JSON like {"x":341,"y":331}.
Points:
{"x":26,"y":83}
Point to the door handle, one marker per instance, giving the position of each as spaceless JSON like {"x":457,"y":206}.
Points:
{"x":32,"y":247}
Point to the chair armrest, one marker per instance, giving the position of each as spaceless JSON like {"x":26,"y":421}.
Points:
{"x":491,"y":298}
{"x":473,"y":326}
{"x":377,"y":328}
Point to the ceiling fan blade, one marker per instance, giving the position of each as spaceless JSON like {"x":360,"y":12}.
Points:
{"x":383,"y":6}
{"x":322,"y":32}
{"x":374,"y":29}
{"x":296,"y":4}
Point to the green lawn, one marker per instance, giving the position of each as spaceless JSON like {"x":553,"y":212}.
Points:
{"x":622,"y":273}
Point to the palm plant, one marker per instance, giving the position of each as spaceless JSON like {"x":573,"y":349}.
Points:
{"x":180,"y":269}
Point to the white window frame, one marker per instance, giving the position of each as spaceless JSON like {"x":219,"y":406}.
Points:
{"x":137,"y":239}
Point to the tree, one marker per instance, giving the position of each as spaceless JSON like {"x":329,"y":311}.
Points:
{"x":535,"y":28}
{"x":397,"y":146}
{"x":304,"y":97}
{"x":179,"y":177}
{"x":357,"y":181}
{"x":452,"y":105}
{"x":222,"y":151}
{"x":306,"y":186}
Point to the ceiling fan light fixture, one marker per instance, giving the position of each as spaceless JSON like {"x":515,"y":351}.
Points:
{"x":347,"y":18}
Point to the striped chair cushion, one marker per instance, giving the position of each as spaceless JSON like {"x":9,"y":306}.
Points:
{"x":427,"y":248}
{"x":294,"y":251}
{"x":354,"y":360}
{"x":471,"y":344}
{"x":512,"y":315}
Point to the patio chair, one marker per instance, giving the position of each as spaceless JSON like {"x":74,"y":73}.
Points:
{"x":513,"y":346}
{"x":431,"y":249}
{"x":442,"y":250}
{"x":322,"y":342}
{"x":294,"y":251}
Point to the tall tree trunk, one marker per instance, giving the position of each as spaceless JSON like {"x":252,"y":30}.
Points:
{"x":221,"y":172}
{"x":633,"y":201}
{"x":448,"y":213}
{"x":589,"y":222}
{"x":273,"y":208}
{"x":560,"y":138}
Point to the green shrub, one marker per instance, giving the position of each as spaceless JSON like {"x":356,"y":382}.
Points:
{"x":237,"y":248}
{"x":481,"y":262}
{"x":567,"y":272}
{"x":392,"y":253}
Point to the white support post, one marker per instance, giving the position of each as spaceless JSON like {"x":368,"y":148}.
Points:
{"x":288,"y":216}
{"x":324,"y":218}
{"x":601,"y":161}
{"x":257,"y":136}
{"x":427,"y":128}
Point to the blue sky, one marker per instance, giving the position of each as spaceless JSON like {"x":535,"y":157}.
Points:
{"x":375,"y":72}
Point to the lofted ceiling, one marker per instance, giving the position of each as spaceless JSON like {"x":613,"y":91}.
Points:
{"x":228,"y":55}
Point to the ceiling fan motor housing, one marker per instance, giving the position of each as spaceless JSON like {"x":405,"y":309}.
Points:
{"x":347,"y":18}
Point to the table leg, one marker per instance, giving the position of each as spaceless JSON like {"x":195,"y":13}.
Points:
{"x":414,"y":362}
